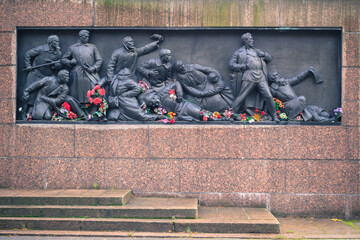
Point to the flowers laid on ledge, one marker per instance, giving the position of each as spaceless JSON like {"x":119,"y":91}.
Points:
{"x":98,"y":104}
{"x":64,"y":112}
{"x":338,"y":113}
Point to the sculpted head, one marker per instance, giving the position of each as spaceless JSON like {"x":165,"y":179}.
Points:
{"x":54,"y":42}
{"x":165,"y":55}
{"x":247,"y":40}
{"x":275,"y":77}
{"x":128,"y":42}
{"x":84,"y":36}
{"x":213,"y":77}
{"x":150,"y":98}
{"x":180,"y":66}
{"x":63,"y":76}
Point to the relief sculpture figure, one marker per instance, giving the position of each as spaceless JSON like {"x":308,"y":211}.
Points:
{"x":158,"y":72}
{"x":127,"y":56}
{"x":249,"y":66}
{"x":51,"y":92}
{"x":85,"y":61}
{"x":123,"y":103}
{"x":41,"y":61}
{"x":204,"y":86}
{"x":170,"y":97}
{"x":282,"y":89}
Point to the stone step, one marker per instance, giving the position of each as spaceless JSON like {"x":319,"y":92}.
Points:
{"x":211,"y":220}
{"x":135,"y":208}
{"x":64,"y":197}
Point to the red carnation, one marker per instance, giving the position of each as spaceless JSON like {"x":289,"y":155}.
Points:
{"x":92,"y":92}
{"x":97,"y":101}
{"x":262,"y":113}
{"x":66,"y":106}
{"x":219,"y":116}
{"x":97,"y":87}
{"x":205,"y":118}
{"x":90,"y":100}
{"x":256,"y":110}
{"x":172,"y":92}
{"x":89,"y":93}
{"x":172,"y":120}
{"x":101,"y":91}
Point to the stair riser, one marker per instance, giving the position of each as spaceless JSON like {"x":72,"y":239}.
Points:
{"x":97,"y":213}
{"x":61,"y":201}
{"x":79,"y":225}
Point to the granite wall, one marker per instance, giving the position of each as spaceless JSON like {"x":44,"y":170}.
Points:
{"x":292,"y":170}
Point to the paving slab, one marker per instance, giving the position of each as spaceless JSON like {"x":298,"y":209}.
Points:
{"x":291,"y":228}
{"x":64,"y":197}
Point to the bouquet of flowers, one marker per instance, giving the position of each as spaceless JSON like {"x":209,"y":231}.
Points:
{"x":64,"y":113}
{"x":97,"y":98}
{"x":338,"y":113}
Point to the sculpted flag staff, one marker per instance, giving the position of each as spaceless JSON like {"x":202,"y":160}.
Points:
{"x":41,"y":65}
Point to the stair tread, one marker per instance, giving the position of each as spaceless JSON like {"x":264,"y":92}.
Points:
{"x":135,"y":203}
{"x":58,"y":193}
{"x":206,"y":214}
{"x":211,"y":220}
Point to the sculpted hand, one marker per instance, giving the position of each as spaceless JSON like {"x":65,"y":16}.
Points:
{"x":73,"y":62}
{"x":312,"y":69}
{"x":91,"y":69}
{"x":153,"y":73}
{"x":260,"y":53}
{"x":26,"y":97}
{"x":28,"y":69}
{"x":240,"y":67}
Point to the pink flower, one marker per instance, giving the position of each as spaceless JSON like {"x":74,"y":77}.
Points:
{"x":97,"y":101}
{"x":101,"y":91}
{"x":66,"y":106}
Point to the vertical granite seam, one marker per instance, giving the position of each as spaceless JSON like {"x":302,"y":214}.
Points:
{"x":148,"y":143}
{"x":94,"y":14}
{"x":74,"y":155}
{"x":45,"y":175}
{"x":180,"y":168}
{"x":347,"y":212}
{"x":280,"y":23}
{"x":268,"y":202}
{"x":285,"y":177}
{"x":104,"y":172}
{"x":169,"y":21}
{"x":8,"y":138}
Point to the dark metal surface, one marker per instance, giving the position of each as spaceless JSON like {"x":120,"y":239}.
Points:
{"x":292,"y":50}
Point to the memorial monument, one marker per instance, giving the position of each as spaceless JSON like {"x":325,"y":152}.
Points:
{"x":248,"y":92}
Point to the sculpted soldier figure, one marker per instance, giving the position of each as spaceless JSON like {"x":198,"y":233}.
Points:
{"x":127,"y":56}
{"x":51,"y":92}
{"x":123,"y":103}
{"x":185,"y":111}
{"x":85,"y":61}
{"x":158,"y":72}
{"x":249,"y":64}
{"x":282,"y":89}
{"x":40,"y":62}
{"x":204,"y":86}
